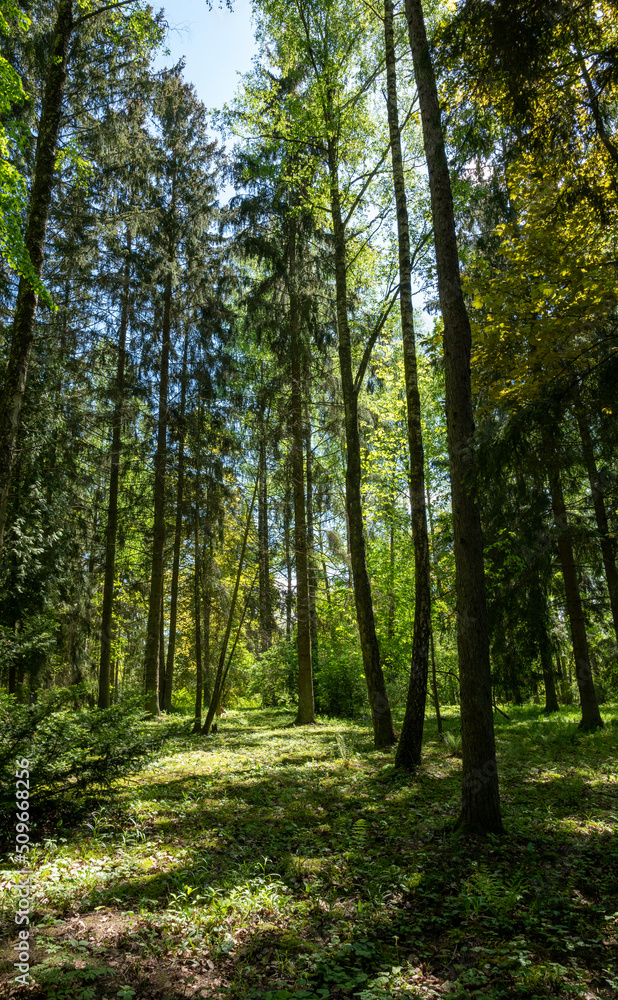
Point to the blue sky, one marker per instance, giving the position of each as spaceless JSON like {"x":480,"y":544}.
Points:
{"x":217,"y":45}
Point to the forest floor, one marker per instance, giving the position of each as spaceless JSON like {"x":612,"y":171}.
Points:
{"x":269,"y":863}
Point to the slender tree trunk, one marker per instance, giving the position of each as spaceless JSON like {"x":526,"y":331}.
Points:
{"x":480,"y":810}
{"x":219,"y":676}
{"x":551,"y":698}
{"x":156,"y":579}
{"x":434,"y":683}
{"x":306,"y":708}
{"x":196,"y":592}
{"x":591,"y":717}
{"x":171,"y":642}
{"x":436,"y":571}
{"x":22,"y":337}
{"x":287,"y":518}
{"x":411,"y":739}
{"x":322,"y":556}
{"x":265,"y":598}
{"x":390,"y":632}
{"x":162,"y":647}
{"x":206,"y":671}
{"x":114,"y":477}
{"x":312,"y":575}
{"x":606,"y":541}
{"x":383,"y":731}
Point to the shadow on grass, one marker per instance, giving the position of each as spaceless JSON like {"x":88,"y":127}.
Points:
{"x":317,"y":868}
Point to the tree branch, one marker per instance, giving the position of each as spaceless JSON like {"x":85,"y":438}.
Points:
{"x":362,"y":368}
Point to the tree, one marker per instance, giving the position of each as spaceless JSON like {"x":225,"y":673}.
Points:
{"x":185,"y":195}
{"x":11,"y":397}
{"x":480,"y":795}
{"x":409,"y":748}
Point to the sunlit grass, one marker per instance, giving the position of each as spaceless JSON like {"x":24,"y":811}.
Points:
{"x":270,"y":856}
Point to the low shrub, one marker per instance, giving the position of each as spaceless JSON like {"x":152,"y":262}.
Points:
{"x":74,"y":755}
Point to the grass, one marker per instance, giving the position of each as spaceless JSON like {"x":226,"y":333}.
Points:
{"x":271,"y":863}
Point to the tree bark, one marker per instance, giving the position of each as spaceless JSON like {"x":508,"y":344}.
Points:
{"x":591,"y":717}
{"x":312,"y":575}
{"x":162,"y":647}
{"x":606,"y":541}
{"x":480,"y":810}
{"x":22,"y":338}
{"x":114,"y":476}
{"x":207,"y":602}
{"x":287,"y":518}
{"x":156,"y":577}
{"x":551,"y":698}
{"x":197,"y":725}
{"x":306,"y":707}
{"x":265,"y":597}
{"x":411,"y":738}
{"x":171,"y":642}
{"x":383,"y":731}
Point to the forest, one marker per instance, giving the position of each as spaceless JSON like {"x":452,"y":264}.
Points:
{"x":309,"y":504}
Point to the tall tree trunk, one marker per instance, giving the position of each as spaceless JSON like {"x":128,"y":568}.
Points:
{"x":219,"y":676}
{"x":38,"y":211}
{"x":171,"y":642}
{"x":265,"y":599}
{"x":312,"y":575}
{"x":114,"y":477}
{"x":436,"y":571}
{"x":480,"y":810}
{"x":591,"y":717}
{"x":383,"y":731}
{"x":151,"y":658}
{"x":306,"y":707}
{"x":411,"y":739}
{"x":162,"y":647}
{"x":197,"y":725}
{"x":322,"y":556}
{"x":390,"y":632}
{"x":287,"y":518}
{"x":434,"y":683}
{"x":206,"y":671}
{"x":606,"y":541}
{"x":551,"y":698}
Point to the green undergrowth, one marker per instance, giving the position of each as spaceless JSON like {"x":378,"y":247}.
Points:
{"x":268,"y":862}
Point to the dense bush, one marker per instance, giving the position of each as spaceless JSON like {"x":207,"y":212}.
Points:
{"x":74,"y":755}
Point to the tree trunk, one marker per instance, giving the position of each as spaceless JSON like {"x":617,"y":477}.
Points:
{"x":219,"y":676}
{"x":390,"y":632}
{"x":306,"y":708}
{"x":287,"y":517}
{"x":480,"y":810}
{"x":551,"y":698}
{"x":171,"y":642}
{"x":114,"y":476}
{"x":197,"y":725}
{"x":156,"y":578}
{"x":206,"y":679}
{"x":322,"y":556}
{"x":434,"y":683}
{"x":411,"y":739}
{"x":383,"y":731}
{"x":162,"y":647}
{"x":38,"y":210}
{"x":312,"y":575}
{"x":265,"y":599}
{"x":606,"y":541}
{"x":591,"y":717}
